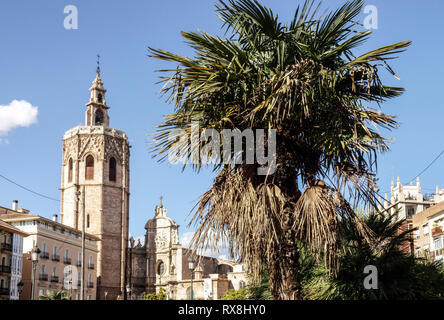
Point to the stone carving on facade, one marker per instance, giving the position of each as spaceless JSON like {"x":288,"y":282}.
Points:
{"x":161,"y":241}
{"x":93,"y":144}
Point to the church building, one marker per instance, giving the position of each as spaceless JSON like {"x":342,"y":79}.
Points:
{"x":162,"y":263}
{"x":95,"y":188}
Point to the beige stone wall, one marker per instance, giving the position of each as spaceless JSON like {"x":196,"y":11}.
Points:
{"x":106,"y":202}
{"x":46,"y":238}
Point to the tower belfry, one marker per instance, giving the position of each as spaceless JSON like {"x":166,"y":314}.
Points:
{"x":96,"y":160}
{"x":97,"y":109}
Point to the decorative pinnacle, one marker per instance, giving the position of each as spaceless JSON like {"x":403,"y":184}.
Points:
{"x":161,"y":198}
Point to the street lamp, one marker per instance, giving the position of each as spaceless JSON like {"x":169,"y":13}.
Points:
{"x":35,"y":259}
{"x":130,"y":284}
{"x":20,"y":288}
{"x":191,"y":266}
{"x":128,"y":291}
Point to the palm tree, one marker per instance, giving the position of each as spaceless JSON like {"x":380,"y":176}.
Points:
{"x":55,"y":295}
{"x":302,"y":80}
{"x":400,"y":275}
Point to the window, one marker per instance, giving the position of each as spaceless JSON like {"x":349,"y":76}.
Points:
{"x":112,"y":169}
{"x":43,"y":247}
{"x":54,"y":251}
{"x":100,"y":98}
{"x":87,"y":220}
{"x":42,"y":269}
{"x":416,"y":233}
{"x":70,"y":170}
{"x":89,"y":172}
{"x":425,"y":227}
{"x":160,"y":268}
{"x":437,"y":244}
{"x":54,"y":271}
{"x":99,"y":118}
{"x":241,"y":284}
{"x":66,"y":253}
{"x":79,"y":258}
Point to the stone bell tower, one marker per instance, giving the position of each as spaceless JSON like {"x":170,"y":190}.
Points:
{"x":96,"y":162}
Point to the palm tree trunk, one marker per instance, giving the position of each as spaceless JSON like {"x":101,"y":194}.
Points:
{"x":284,"y":267}
{"x":285,"y":281}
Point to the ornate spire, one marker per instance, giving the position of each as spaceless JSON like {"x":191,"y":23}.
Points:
{"x":98,"y":65}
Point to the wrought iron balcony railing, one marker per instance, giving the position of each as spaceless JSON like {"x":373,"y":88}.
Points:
{"x":6,"y":246}
{"x":44,"y":255}
{"x":43,"y":277}
{"x":55,"y":257}
{"x":5,"y":269}
{"x":66,"y":260}
{"x":54,"y":279}
{"x":4,"y":291}
{"x":91,"y":266}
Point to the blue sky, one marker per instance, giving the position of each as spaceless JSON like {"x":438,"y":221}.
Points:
{"x":52,"y":68}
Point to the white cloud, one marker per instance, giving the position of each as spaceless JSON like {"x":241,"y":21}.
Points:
{"x":19,"y":113}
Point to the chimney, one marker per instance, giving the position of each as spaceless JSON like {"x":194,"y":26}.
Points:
{"x":54,"y":217}
{"x":15,"y":205}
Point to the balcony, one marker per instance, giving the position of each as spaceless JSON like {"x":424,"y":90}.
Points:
{"x":4,"y":291}
{"x":54,"y":279}
{"x":437,"y":231}
{"x":91,"y":266}
{"x":6,"y":246}
{"x":79,"y":263}
{"x":55,"y":257}
{"x":79,"y":283}
{"x":90,"y":285}
{"x":44,"y":255}
{"x":43,"y":277}
{"x":5,"y":269}
{"x":66,"y":260}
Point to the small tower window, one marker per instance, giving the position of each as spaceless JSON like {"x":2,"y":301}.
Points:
{"x":70,"y":170}
{"x":87,"y":220}
{"x":100,"y":98}
{"x":89,"y":172}
{"x":112,"y":169}
{"x":99,"y":118}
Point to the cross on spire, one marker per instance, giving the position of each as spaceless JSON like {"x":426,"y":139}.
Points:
{"x":161,"y":198}
{"x":98,"y":65}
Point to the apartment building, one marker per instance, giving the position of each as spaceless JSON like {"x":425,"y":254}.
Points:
{"x":59,"y":264}
{"x":429,"y":238}
{"x":11,"y":260}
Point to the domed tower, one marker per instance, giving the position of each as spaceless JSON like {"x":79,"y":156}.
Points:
{"x":96,"y":162}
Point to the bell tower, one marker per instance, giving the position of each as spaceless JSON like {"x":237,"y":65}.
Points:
{"x":96,"y":162}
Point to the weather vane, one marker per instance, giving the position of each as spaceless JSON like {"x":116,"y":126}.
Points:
{"x":98,"y":64}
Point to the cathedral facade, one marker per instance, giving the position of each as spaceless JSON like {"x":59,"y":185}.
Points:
{"x":95,"y":189}
{"x":162,"y":263}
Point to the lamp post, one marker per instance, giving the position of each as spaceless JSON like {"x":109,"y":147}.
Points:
{"x":20,"y":288}
{"x":35,"y":259}
{"x":130,"y":285}
{"x":128,"y":291}
{"x":191,"y":266}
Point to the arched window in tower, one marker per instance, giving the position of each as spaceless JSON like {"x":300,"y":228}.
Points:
{"x":87,"y":220}
{"x":99,"y":118}
{"x":100,"y":98}
{"x":89,"y":168}
{"x":112,"y":169}
{"x":70,"y":170}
